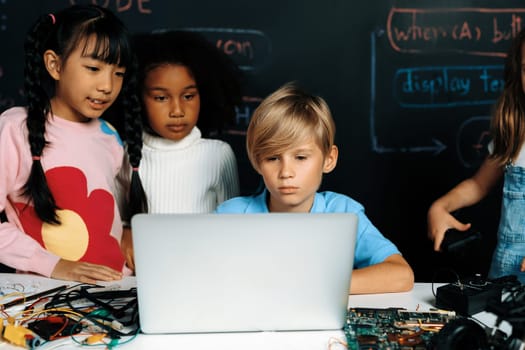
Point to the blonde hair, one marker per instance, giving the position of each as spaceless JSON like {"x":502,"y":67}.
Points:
{"x":286,"y":118}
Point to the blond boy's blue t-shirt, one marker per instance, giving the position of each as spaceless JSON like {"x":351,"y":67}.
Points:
{"x":371,"y":246}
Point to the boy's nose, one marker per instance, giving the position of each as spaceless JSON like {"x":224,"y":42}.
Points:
{"x":286,"y":169}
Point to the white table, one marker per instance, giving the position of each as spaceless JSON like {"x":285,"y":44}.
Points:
{"x":421,"y":298}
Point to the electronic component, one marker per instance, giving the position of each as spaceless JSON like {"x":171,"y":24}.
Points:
{"x":393,"y":328}
{"x":472,"y":295}
{"x":462,"y":334}
{"x":19,"y":336}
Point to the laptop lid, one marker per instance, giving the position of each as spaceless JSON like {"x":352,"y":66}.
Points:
{"x":199,"y":273}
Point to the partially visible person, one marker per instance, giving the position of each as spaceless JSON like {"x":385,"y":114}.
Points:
{"x":189,"y":90}
{"x":290,"y":143}
{"x":60,"y":158}
{"x":506,"y":159}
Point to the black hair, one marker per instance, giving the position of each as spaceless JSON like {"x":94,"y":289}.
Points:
{"x":218,"y":78}
{"x":62,"y":32}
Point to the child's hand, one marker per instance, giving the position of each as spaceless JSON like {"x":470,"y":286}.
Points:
{"x":439,"y":221}
{"x":126,"y":245}
{"x":84,"y":272}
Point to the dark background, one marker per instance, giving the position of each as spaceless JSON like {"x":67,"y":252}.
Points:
{"x":410,"y":83}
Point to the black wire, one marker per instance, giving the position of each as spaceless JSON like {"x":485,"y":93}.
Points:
{"x":458,"y":280}
{"x":116,"y":303}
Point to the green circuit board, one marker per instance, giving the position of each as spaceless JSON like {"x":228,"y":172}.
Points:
{"x":393,"y":328}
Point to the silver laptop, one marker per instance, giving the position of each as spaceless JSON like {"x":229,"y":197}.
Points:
{"x":201,"y":273}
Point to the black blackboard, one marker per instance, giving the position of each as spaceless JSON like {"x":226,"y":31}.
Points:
{"x":410,"y":83}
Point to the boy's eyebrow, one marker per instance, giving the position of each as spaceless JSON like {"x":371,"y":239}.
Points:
{"x":302,"y":149}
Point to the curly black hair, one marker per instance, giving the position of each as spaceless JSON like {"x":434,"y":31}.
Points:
{"x":217,"y":76}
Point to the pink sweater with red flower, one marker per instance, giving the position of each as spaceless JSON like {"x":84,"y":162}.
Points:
{"x":80,"y":162}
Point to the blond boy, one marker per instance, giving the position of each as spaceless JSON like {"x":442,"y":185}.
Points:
{"x":290,"y":143}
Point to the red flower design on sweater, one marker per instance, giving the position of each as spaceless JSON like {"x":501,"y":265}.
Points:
{"x":84,"y":233}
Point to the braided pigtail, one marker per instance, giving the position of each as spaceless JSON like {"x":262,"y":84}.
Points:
{"x":38,"y":90}
{"x":131,"y":108}
{"x":62,"y":33}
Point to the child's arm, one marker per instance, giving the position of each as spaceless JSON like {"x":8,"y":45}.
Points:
{"x":126,"y":246}
{"x":84,"y":272}
{"x":466,"y":193}
{"x":24,"y":253}
{"x":394,"y":274}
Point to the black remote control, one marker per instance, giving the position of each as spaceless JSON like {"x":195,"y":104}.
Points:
{"x":456,"y":240}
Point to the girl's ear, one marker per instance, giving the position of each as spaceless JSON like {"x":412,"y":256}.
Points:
{"x":330,"y":161}
{"x":52,"y":63}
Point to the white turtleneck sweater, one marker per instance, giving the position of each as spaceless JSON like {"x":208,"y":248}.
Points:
{"x":192,"y":175}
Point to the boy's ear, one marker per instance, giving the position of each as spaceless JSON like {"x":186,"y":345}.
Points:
{"x":52,"y":63}
{"x":330,"y":161}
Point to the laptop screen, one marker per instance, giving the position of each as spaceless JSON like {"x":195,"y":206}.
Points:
{"x":243,"y":272}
